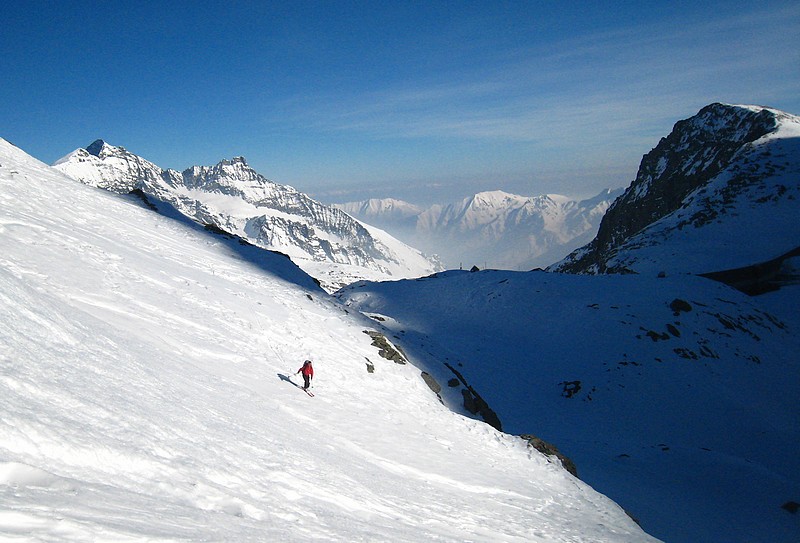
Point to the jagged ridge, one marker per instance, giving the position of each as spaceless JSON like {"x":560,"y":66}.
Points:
{"x":234,"y":197}
{"x":691,"y":177}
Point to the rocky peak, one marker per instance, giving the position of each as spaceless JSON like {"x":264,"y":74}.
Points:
{"x":100,"y":149}
{"x":96,"y":148}
{"x":695,"y":152}
{"x":234,"y":177}
{"x":278,"y":217}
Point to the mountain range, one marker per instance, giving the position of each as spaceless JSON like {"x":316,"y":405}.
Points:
{"x":664,"y":363}
{"x":491,"y":229}
{"x":147,"y":387}
{"x":231,"y":196}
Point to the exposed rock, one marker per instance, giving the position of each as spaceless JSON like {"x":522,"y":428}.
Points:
{"x":695,"y":152}
{"x":550,"y":450}
{"x":756,"y":279}
{"x":571,"y":388}
{"x":677,"y":305}
{"x":385,"y":347}
{"x":474,"y":403}
{"x":431,"y":382}
{"x":656,"y":336}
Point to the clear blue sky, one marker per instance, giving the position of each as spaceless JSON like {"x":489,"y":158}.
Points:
{"x":426,"y":101}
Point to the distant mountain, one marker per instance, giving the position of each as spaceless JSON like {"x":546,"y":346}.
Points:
{"x":385,"y":212}
{"x":728,"y":174}
{"x":231,"y":196}
{"x":494,"y":229}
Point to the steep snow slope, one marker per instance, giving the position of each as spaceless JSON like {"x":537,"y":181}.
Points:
{"x":494,"y":228}
{"x":676,"y":396}
{"x":144,"y":396}
{"x":728,"y":174}
{"x":329,"y":244}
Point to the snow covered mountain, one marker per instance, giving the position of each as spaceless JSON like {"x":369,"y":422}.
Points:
{"x":233,"y":197}
{"x":494,"y":229}
{"x":728,"y":174}
{"x":384,"y":212}
{"x":146,"y":393}
{"x":673,"y":393}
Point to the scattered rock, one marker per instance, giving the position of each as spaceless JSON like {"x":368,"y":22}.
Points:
{"x":686,"y":353}
{"x":655,"y":336}
{"x":571,"y":388}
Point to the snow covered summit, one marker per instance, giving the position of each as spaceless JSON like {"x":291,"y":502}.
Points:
{"x":146,"y":394}
{"x":327,"y":243}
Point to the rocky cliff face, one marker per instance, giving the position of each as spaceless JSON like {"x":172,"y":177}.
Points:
{"x":707,"y":170}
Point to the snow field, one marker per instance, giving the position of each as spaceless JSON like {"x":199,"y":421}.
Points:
{"x":145,"y":394}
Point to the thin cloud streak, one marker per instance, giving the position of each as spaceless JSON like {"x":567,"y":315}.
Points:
{"x":641,"y":75}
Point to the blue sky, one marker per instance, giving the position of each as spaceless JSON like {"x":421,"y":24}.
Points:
{"x":425,"y":101}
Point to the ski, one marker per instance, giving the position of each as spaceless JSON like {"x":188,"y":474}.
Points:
{"x":309,"y":392}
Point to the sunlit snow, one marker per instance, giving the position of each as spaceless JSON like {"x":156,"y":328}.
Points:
{"x":147,"y":393}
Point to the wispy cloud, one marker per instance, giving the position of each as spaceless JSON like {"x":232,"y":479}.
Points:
{"x":607,"y":83}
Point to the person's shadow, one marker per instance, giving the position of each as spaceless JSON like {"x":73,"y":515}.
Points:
{"x":288,"y":379}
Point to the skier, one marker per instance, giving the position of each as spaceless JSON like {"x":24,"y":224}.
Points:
{"x":308,"y":373}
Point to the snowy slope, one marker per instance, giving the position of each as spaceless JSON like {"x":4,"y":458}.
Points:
{"x":677,"y":396}
{"x":144,"y":396}
{"x":324,"y":241}
{"x":493,"y":228}
{"x":720,"y":192}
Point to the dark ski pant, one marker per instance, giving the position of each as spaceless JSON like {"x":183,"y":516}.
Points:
{"x":306,"y":381}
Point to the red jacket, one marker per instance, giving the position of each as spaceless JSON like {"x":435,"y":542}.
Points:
{"x":307,"y":369}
